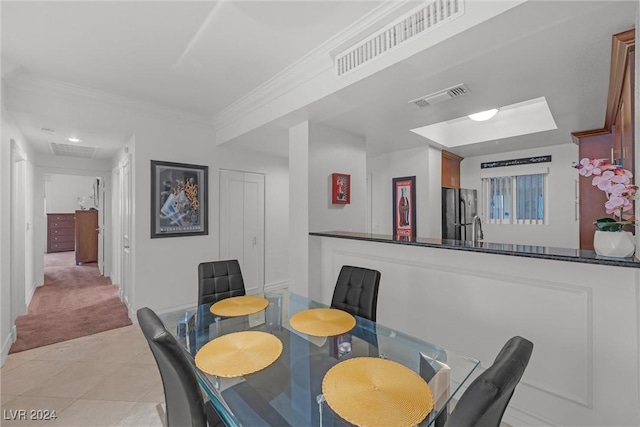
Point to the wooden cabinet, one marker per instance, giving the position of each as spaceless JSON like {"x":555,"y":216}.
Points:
{"x":615,"y":140}
{"x":623,"y":131}
{"x":450,"y":169}
{"x":60,"y":232}
{"x":86,"y":236}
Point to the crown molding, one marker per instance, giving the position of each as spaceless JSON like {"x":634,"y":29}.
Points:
{"x":317,"y":61}
{"x":45,"y":86}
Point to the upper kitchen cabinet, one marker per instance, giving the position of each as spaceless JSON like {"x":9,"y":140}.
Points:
{"x":615,"y":140}
{"x":450,"y":169}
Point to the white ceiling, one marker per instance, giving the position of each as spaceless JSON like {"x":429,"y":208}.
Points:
{"x":202,"y":56}
{"x":559,"y":50}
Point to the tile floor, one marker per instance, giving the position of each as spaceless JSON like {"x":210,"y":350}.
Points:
{"x":107,"y":379}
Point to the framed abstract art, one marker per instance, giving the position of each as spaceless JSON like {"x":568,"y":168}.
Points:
{"x":179,"y":205}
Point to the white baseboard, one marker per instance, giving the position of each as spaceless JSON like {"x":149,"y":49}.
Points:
{"x":517,"y":417}
{"x":130,"y":313}
{"x":192,"y":305}
{"x":276,"y":285}
{"x":177,"y":307}
{"x":30,"y":294}
{"x":6,"y":345}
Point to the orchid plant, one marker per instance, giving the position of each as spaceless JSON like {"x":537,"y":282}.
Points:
{"x":615,"y":181}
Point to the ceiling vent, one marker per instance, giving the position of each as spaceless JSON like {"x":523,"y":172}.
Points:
{"x":419,"y":21}
{"x":69,"y":150}
{"x":441,"y":96}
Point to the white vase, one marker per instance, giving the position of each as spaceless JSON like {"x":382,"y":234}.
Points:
{"x":617,"y":244}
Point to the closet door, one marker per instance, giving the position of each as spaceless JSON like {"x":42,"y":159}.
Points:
{"x":242,"y":224}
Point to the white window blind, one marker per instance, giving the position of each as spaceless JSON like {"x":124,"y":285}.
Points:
{"x":499,"y":199}
{"x":530,"y":199}
{"x":515,"y":199}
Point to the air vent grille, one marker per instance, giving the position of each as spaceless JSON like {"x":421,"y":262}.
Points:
{"x":69,"y":150}
{"x":421,"y":20}
{"x":441,"y":96}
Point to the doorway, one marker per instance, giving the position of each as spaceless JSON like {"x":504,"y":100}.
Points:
{"x":75,"y":220}
{"x":74,"y":285}
{"x":242,"y":224}
{"x":125,"y":232}
{"x":65,"y":191}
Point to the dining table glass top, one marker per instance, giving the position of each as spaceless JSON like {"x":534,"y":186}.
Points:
{"x":289,"y":390}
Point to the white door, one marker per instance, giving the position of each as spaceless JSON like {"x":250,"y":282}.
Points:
{"x":125,"y":224}
{"x":242,"y":224}
{"x":99,"y":201}
{"x":18,"y":231}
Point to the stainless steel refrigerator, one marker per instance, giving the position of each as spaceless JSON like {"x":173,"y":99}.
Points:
{"x":459,"y":205}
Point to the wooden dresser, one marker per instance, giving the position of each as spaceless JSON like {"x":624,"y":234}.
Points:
{"x":86,"y":236}
{"x":60,"y":232}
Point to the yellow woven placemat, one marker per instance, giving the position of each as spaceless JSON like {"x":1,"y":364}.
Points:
{"x":322,"y":322}
{"x":239,"y":353}
{"x":239,"y":306}
{"x":369,"y":391}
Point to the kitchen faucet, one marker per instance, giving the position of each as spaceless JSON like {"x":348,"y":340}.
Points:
{"x":476,"y":232}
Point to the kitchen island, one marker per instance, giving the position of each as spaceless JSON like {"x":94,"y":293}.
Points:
{"x":582,"y":313}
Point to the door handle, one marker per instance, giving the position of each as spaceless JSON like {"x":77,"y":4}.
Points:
{"x":255,"y":240}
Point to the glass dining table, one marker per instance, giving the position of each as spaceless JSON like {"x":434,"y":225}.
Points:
{"x":289,"y":391}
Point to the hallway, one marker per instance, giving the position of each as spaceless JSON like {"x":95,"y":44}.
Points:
{"x":74,"y":301}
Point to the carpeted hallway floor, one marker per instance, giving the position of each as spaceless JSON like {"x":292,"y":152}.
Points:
{"x":75,"y":301}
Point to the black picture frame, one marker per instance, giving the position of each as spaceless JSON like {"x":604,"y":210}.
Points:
{"x":179,"y":199}
{"x":404,"y":218}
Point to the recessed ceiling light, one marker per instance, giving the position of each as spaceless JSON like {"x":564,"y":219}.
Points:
{"x":483,"y":115}
{"x":522,"y":118}
{"x":74,"y":140}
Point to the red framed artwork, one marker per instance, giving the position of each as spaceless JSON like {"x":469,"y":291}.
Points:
{"x":340,"y":188}
{"x":404,"y":207}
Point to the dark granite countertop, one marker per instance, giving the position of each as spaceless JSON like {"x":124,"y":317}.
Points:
{"x":542,"y":252}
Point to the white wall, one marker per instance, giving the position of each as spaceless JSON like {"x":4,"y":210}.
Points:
{"x":424,"y":164}
{"x":62,"y":192}
{"x":562,"y":229}
{"x":6,"y":321}
{"x":299,"y":208}
{"x":335,"y":151}
{"x":11,"y":132}
{"x":165,"y":274}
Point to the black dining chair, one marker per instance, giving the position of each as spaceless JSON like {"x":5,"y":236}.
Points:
{"x":184,"y":403}
{"x":483,"y":403}
{"x":356,"y":291}
{"x":218,"y":280}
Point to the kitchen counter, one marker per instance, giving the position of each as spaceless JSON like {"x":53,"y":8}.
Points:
{"x":580,"y":310}
{"x":542,"y":252}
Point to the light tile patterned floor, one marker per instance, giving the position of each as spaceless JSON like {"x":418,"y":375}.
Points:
{"x":107,"y":379}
